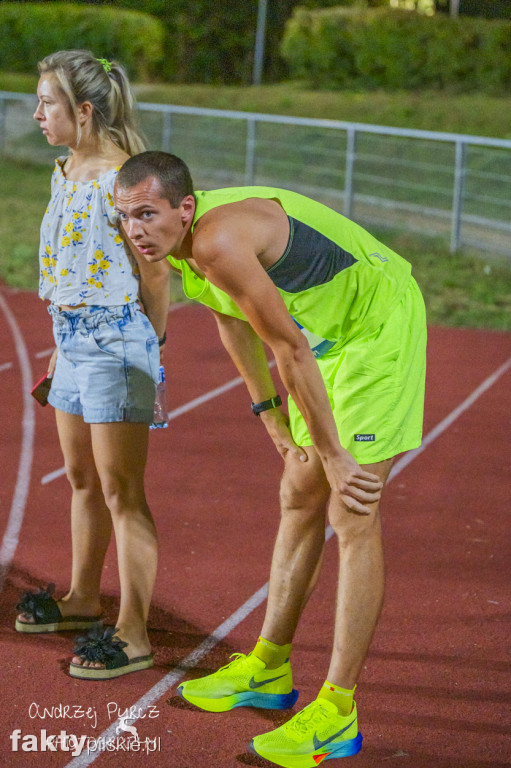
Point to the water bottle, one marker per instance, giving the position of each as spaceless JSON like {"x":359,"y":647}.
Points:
{"x":160,"y":414}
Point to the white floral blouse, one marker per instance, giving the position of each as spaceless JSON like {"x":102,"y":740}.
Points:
{"x":82,"y":256}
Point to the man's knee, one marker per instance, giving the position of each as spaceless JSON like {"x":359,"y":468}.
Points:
{"x":351,"y":527}
{"x":303,"y":486}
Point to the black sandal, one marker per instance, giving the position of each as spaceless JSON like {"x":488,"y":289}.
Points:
{"x":102,"y":647}
{"x":43,"y":608}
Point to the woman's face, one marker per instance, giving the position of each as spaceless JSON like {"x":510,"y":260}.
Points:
{"x":53,"y":113}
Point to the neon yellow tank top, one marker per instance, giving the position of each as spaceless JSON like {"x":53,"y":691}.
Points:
{"x":337,"y":281}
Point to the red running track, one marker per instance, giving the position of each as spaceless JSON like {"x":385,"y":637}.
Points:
{"x":436,"y":689}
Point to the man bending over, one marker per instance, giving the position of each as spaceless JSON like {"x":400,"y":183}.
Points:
{"x":346,"y":323}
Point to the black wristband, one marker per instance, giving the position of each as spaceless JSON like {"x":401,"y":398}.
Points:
{"x":273,"y":402}
{"x":163,"y":339}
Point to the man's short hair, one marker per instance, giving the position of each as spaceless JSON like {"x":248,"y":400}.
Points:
{"x":170,"y":171}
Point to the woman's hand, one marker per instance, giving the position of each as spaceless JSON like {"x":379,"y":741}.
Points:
{"x":52,"y":363}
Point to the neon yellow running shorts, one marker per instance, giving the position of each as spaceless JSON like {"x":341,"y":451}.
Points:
{"x":376,"y":386}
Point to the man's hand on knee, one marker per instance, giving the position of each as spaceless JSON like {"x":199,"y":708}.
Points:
{"x":356,"y":487}
{"x":277,"y":426}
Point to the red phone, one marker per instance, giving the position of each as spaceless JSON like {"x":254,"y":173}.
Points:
{"x":41,"y":389}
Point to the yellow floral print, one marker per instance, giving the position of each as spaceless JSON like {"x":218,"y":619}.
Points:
{"x":81,"y":242}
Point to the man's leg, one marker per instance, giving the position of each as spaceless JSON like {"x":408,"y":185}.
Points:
{"x":263,"y":678}
{"x":298,"y":550}
{"x":360,"y":585}
{"x":328,"y":727}
{"x":296,"y":560}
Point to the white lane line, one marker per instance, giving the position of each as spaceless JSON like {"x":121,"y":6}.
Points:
{"x":5,"y":367}
{"x":173,"y":677}
{"x":11,"y":535}
{"x":172,"y":414}
{"x":44,"y":353}
{"x":450,"y":419}
{"x":53,"y":475}
{"x":161,"y":688}
{"x":440,"y":428}
{"x":205,"y":398}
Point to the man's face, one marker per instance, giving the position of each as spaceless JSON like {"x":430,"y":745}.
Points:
{"x":153,"y":226}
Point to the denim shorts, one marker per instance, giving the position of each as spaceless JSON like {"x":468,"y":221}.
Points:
{"x":107,"y":364}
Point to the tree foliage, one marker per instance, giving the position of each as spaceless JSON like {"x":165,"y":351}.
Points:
{"x":213,"y":42}
{"x":488,"y":9}
{"x":341,"y":47}
{"x":31,"y":31}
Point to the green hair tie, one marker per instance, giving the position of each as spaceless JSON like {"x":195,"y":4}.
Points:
{"x":106,"y":65}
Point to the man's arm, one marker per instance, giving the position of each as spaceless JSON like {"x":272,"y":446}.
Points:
{"x":155,"y":291}
{"x":228,"y":260}
{"x":249,"y":356}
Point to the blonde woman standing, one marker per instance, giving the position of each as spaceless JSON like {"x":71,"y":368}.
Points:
{"x":106,"y":363}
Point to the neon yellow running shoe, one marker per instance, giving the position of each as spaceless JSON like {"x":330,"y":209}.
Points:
{"x":244,"y":682}
{"x":315,"y":734}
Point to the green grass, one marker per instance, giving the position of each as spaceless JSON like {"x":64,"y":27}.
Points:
{"x":462,"y":289}
{"x":459,"y":290}
{"x":12,"y":81}
{"x":474,"y":113}
{"x":24,"y":194}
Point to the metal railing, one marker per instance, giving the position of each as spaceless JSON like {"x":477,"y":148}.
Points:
{"x":453,"y":185}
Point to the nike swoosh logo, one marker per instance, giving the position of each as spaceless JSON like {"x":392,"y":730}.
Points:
{"x":318,"y":744}
{"x":252,"y":683}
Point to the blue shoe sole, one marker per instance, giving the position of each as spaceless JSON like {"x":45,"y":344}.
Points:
{"x":334,"y":751}
{"x":244,"y":699}
{"x":345,"y":748}
{"x":267,"y":700}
